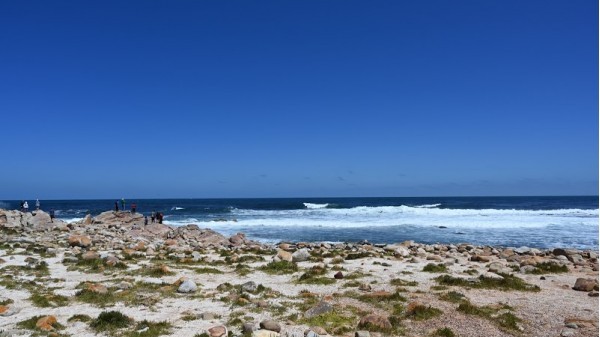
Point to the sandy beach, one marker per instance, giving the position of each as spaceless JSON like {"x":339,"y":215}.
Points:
{"x":110,"y":275}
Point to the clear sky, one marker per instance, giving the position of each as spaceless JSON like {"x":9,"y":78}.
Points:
{"x":157,"y":99}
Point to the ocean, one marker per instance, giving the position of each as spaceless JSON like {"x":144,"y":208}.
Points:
{"x":542,"y":222}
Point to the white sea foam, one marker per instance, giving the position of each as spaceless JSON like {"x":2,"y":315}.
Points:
{"x":70,"y":220}
{"x":176,"y":208}
{"x":315,"y":206}
{"x":429,"y":206}
{"x":364,"y":216}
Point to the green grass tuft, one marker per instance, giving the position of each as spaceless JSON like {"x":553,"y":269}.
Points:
{"x":149,"y":329}
{"x":110,"y":320}
{"x":207,"y":270}
{"x":453,"y":296}
{"x":435,"y":268}
{"x":403,"y":283}
{"x":335,"y":322}
{"x":506,"y":320}
{"x":421,"y":312}
{"x":79,"y":318}
{"x":280,"y":267}
{"x":549,"y":268}
{"x":48,"y":299}
{"x":508,"y":282}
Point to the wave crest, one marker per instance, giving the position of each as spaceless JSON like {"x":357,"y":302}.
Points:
{"x":309,"y":205}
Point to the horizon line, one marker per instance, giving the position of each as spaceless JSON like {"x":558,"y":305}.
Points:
{"x":327,"y":197}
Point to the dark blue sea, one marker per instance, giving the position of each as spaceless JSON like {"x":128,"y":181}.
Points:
{"x":543,"y":222}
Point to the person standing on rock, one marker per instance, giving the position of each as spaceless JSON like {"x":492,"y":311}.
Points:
{"x":133,"y":207}
{"x":52,"y":215}
{"x":146,"y":220}
{"x":21,"y":208}
{"x":123,"y":204}
{"x":152,"y":216}
{"x":37,"y":204}
{"x":116,"y":206}
{"x":26,"y":207}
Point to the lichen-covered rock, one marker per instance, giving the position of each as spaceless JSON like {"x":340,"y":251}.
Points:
{"x":46,"y":323}
{"x":82,"y":241}
{"x":377,"y":322}
{"x":187,"y":286}
{"x":584,"y":284}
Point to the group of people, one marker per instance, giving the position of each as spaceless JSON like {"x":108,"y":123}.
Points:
{"x":25,"y":208}
{"x":158,"y":216}
{"x":154,"y":216}
{"x":25,"y":205}
{"x":133,"y":206}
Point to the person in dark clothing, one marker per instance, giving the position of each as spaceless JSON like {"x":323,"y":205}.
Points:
{"x":160,"y":218}
{"x":152,"y":216}
{"x":52,"y":215}
{"x":146,"y":220}
{"x":22,"y":207}
{"x":133,"y":207}
{"x":116,"y":206}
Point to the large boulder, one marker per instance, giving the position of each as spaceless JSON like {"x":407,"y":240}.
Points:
{"x":398,"y":250}
{"x":119,"y":218}
{"x":319,"y":309}
{"x":46,"y":323}
{"x":284,"y":256}
{"x":217,"y":331}
{"x":270,"y":325}
{"x":301,"y":255}
{"x":82,"y":241}
{"x":583,"y":284}
{"x":187,"y":286}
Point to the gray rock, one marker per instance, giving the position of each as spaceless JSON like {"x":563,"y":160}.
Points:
{"x":362,"y":333}
{"x":494,"y":276}
{"x":264,"y":333}
{"x":571,"y":325}
{"x":523,"y":250}
{"x":559,"y":252}
{"x":270,"y":325}
{"x":196,"y":256}
{"x":585,"y":284}
{"x":187,"y":286}
{"x":576,"y":259}
{"x":124,"y":285}
{"x":310,"y":333}
{"x":495,"y":267}
{"x":319,"y":309}
{"x":567,"y":333}
{"x":248,"y":327}
{"x":301,"y":255}
{"x":249,"y":287}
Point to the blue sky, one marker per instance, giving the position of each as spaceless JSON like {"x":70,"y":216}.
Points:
{"x":298,"y":98}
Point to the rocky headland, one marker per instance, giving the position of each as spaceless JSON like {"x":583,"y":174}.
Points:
{"x":110,"y":275}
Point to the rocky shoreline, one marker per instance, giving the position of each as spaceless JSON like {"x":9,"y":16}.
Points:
{"x":110,"y":275}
